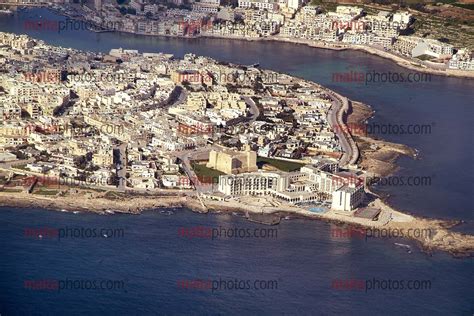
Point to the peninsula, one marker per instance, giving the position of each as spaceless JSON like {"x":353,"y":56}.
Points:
{"x":128,"y":131}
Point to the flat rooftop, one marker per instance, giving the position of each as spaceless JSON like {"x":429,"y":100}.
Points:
{"x":368,"y":213}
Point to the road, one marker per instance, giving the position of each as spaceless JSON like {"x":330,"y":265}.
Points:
{"x":199,"y":153}
{"x":122,"y":169}
{"x":253,"y":109}
{"x":350,"y":150}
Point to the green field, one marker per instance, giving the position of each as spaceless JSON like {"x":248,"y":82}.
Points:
{"x":11,"y":190}
{"x":280,"y":164}
{"x":46,"y":192}
{"x":205,"y":174}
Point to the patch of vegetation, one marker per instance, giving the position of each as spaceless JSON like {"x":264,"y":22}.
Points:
{"x":282,"y":165}
{"x":22,"y":167}
{"x":425,"y":57}
{"x":114,"y":195}
{"x":205,"y":174}
{"x":46,"y":192}
{"x":11,"y":190}
{"x":469,"y":6}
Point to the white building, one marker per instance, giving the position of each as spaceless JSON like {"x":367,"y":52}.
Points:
{"x":254,"y":183}
{"x":349,"y":10}
{"x":294,"y":4}
{"x":402,"y":18}
{"x":347,"y":198}
{"x":270,"y":5}
{"x":462,"y":60}
{"x":416,"y":46}
{"x":310,"y":184}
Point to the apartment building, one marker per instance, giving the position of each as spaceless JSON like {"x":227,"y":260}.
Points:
{"x":269,"y":5}
{"x":103,"y":158}
{"x":254,"y":183}
{"x":309,"y":184}
{"x":462,"y":60}
{"x":416,"y":46}
{"x":9,"y":110}
{"x":205,"y":8}
{"x":347,"y":198}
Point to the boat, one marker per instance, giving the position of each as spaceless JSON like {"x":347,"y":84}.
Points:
{"x":402,"y":245}
{"x":105,"y":235}
{"x":63,"y":210}
{"x":40,"y":236}
{"x":76,"y":212}
{"x":6,"y":12}
{"x":256,"y":65}
{"x":167,"y":212}
{"x":109,"y":212}
{"x":408,"y":247}
{"x":287,"y":217}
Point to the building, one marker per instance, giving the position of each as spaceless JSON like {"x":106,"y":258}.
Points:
{"x":255,"y":183}
{"x":349,"y":10}
{"x":98,"y":5}
{"x":211,"y":2}
{"x":294,"y":4}
{"x":233,"y":162}
{"x":402,"y":18}
{"x":433,"y":48}
{"x":462,"y":60}
{"x":347,"y":197}
{"x":190,"y":76}
{"x":137,"y":5}
{"x":9,"y":111}
{"x":103,"y":158}
{"x":269,"y":5}
{"x":310,"y":184}
{"x":416,"y":46}
{"x":205,"y":8}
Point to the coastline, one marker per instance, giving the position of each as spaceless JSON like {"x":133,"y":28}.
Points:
{"x":325,"y":45}
{"x":401,"y":61}
{"x":455,"y":243}
{"x":440,"y":238}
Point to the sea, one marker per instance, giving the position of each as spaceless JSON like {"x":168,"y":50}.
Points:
{"x":152,"y":267}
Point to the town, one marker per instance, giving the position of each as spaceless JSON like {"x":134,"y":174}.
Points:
{"x":149,"y":123}
{"x":386,"y":33}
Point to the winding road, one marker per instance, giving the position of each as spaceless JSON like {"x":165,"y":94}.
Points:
{"x":341,"y":105}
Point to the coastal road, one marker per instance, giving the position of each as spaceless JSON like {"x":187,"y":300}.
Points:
{"x":350,"y":150}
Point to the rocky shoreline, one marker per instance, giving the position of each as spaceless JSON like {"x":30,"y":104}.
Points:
{"x":457,"y":244}
{"x":379,"y":161}
{"x":440,"y":238}
{"x":377,"y":156}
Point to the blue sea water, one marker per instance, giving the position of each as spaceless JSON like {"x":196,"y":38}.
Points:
{"x":305,"y":258}
{"x":152,"y":257}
